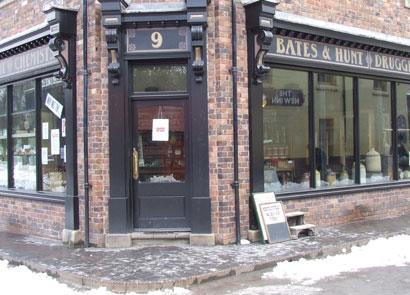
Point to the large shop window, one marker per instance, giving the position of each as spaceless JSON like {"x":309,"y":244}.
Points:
{"x":332,"y":161}
{"x":36,"y":125}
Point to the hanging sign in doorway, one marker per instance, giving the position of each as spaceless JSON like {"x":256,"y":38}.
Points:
{"x":160,"y":130}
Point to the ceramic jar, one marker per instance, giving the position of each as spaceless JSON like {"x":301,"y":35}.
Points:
{"x":373,"y":161}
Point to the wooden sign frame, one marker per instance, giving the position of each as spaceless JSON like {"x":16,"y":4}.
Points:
{"x":268,"y":230}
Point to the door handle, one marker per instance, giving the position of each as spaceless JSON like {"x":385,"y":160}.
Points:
{"x":135,"y":171}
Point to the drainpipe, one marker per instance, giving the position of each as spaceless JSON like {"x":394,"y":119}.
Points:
{"x":85,"y":126}
{"x":234,"y":72}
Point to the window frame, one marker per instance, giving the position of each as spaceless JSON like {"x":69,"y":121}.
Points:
{"x":10,"y":190}
{"x":325,"y":191}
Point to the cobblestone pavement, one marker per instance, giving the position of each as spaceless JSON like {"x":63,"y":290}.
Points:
{"x":153,"y":267}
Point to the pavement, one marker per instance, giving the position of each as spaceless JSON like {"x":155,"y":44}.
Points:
{"x":144,"y":268}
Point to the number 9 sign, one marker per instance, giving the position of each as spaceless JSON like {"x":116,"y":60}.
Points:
{"x":156,"y":39}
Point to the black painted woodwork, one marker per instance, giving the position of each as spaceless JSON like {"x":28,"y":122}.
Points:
{"x":121,"y":202}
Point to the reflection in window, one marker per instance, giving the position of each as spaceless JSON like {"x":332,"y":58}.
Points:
{"x":53,"y":148}
{"x":334,"y":132}
{"x":161,"y":154}
{"x":3,"y":137}
{"x":403,"y":128}
{"x":285,"y":131}
{"x":375,"y":132}
{"x":24,"y":136}
{"x":151,"y":78}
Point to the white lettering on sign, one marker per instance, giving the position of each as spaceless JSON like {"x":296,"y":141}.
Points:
{"x":156,"y":39}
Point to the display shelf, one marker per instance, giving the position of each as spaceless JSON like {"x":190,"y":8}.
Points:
{"x":23,"y":112}
{"x":24,"y":135}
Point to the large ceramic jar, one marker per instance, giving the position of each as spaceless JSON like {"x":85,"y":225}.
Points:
{"x":373,"y":161}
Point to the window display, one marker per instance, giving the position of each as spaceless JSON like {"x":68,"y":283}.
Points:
{"x":24,"y":136}
{"x":53,"y":168}
{"x":38,"y":153}
{"x":285,"y":131}
{"x":334,"y":153}
{"x":375,"y":130}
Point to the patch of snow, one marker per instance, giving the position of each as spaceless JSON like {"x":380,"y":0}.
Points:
{"x":278,"y":290}
{"x":394,"y":251}
{"x":11,"y":279}
{"x":245,"y":242}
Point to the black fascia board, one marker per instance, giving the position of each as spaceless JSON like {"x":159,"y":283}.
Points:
{"x":26,"y":38}
{"x":303,"y":28}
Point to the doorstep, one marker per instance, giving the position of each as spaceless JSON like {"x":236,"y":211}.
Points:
{"x":158,"y":239}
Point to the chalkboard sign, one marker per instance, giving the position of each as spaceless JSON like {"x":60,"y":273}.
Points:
{"x":274,"y":221}
{"x":271,"y":219}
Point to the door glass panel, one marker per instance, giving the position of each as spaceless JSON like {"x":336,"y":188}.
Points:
{"x":165,"y":77}
{"x":161,"y":137}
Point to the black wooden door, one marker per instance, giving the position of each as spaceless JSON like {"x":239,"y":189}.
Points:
{"x":161,"y":173}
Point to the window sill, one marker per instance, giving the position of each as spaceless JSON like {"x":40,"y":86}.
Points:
{"x":58,"y":198}
{"x":323,"y":192}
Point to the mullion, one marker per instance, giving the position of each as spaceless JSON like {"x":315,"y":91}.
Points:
{"x":38,"y":101}
{"x":394,"y":140}
{"x":311,"y":131}
{"x":356,"y":129}
{"x":10,"y":152}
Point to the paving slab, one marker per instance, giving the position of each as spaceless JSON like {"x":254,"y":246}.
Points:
{"x":157,"y":267}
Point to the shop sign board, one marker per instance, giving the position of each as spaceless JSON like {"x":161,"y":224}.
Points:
{"x":157,"y":39}
{"x":333,"y":54}
{"x":30,"y":60}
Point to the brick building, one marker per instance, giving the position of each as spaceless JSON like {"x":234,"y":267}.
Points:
{"x":315,"y":93}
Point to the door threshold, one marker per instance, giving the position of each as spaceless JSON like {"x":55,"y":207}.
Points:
{"x":162,"y":230}
{"x":160,"y":238}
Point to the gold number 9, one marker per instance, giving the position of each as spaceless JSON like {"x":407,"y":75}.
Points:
{"x":156,"y":39}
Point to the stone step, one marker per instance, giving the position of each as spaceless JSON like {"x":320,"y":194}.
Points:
{"x":295,"y":218}
{"x":302,"y":230}
{"x":159,"y":238}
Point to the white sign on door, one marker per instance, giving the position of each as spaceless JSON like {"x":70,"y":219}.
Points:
{"x":160,"y":130}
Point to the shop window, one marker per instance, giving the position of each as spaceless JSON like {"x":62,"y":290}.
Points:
{"x":3,"y":137}
{"x":37,"y":136}
{"x":53,"y":135}
{"x":160,"y":77}
{"x":24,"y":135}
{"x":334,"y":151}
{"x":375,"y":132}
{"x":285,"y":131}
{"x":403,"y":135}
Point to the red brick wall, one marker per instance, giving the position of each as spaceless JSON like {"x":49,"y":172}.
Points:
{"x":31,"y":217}
{"x":341,"y":209}
{"x":28,"y":14}
{"x":18,"y":214}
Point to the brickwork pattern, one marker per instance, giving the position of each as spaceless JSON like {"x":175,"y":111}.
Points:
{"x":331,"y":210}
{"x":31,"y":217}
{"x":43,"y":218}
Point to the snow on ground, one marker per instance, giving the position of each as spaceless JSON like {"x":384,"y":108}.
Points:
{"x":278,"y":290}
{"x":394,"y":251}
{"x":21,"y":280}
